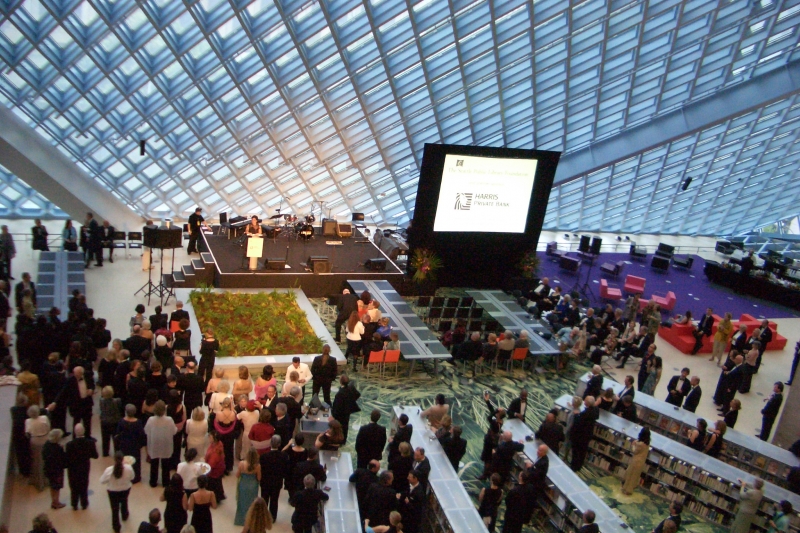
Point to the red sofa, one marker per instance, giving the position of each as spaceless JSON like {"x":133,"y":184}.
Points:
{"x":681,"y":336}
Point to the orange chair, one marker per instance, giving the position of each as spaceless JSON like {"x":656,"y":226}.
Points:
{"x":376,"y":358}
{"x":392,"y":356}
{"x":519,"y":354}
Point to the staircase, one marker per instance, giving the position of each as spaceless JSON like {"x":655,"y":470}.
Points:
{"x":189,"y":276}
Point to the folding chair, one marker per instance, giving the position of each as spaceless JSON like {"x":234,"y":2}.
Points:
{"x":392,"y":356}
{"x":502,"y":356}
{"x":134,"y":241}
{"x":119,"y":241}
{"x":376,"y":358}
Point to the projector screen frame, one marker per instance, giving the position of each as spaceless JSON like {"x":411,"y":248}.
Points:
{"x":478,"y":259}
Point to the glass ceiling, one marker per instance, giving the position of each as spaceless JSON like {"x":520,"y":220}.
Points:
{"x":249,"y":105}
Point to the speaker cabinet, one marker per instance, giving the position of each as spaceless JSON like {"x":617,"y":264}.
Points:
{"x":275,"y":263}
{"x":584,"y":245}
{"x":321,"y":267}
{"x":597,"y":242}
{"x":149,"y":236}
{"x":223,"y":218}
{"x":328,"y":227}
{"x":344,"y":230}
{"x":378,"y":264}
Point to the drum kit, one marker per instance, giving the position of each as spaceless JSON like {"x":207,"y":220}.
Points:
{"x":293,"y":226}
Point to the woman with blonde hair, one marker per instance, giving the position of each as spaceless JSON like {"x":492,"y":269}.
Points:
{"x":249,"y":476}
{"x":258,"y":519}
{"x":395,"y":525}
{"x":292,"y":380}
{"x":243,"y":385}
{"x":197,"y":432}
{"x":213,"y":383}
{"x":225,"y":425}
{"x":223,"y":393}
{"x":37,"y":427}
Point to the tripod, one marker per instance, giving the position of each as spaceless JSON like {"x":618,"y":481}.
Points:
{"x":584,"y":289}
{"x":149,"y":288}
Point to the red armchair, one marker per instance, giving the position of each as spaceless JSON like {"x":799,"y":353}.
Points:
{"x":666,"y":303}
{"x":609,"y":293}
{"x":634,"y":284}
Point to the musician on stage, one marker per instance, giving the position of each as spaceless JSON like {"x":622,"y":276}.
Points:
{"x":254,"y":228}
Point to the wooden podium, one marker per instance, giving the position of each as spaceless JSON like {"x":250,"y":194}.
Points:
{"x":255,"y":249}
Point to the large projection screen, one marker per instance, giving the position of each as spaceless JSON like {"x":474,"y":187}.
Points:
{"x":480,"y":209}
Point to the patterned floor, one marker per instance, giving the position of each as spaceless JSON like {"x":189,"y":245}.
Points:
{"x":642,"y":511}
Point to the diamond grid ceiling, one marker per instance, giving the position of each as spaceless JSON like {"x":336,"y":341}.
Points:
{"x":245,"y":103}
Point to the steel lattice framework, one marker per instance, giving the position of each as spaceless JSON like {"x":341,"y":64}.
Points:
{"x":246,"y":103}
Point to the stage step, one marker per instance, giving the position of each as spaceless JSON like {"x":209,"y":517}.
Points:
{"x":207,"y":258}
{"x":188,"y":270}
{"x":178,"y":276}
{"x":168,"y":280}
{"x":198,"y":264}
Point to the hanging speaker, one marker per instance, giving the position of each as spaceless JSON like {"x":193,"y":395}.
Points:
{"x":686,"y":184}
{"x":142,"y":144}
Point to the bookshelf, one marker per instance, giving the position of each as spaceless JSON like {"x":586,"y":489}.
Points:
{"x":450,"y":508}
{"x":746,"y":452}
{"x":706,"y":486}
{"x":567,"y":496}
{"x":341,"y":510}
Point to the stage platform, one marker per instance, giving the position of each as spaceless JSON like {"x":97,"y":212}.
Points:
{"x":346,"y":261}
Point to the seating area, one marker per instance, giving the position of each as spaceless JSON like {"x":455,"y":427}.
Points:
{"x":612,"y":269}
{"x":637,"y":252}
{"x":570,"y":264}
{"x":684,"y":263}
{"x":634,"y":284}
{"x":660,"y":263}
{"x":609,"y":293}
{"x":680,"y":336}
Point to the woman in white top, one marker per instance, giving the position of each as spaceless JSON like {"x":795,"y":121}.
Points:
{"x":293,"y":380}
{"x":118,"y":478}
{"x":248,"y":418}
{"x":197,"y":432}
{"x":374,"y":311}
{"x":189,"y":471}
{"x":355,"y":328}
{"x":160,"y":430}
{"x":223,"y":391}
{"x":37,"y":426}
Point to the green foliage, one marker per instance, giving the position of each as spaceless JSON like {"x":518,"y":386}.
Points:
{"x":255,"y":324}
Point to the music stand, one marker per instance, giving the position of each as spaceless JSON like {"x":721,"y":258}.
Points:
{"x":160,"y":239}
{"x":584,"y":289}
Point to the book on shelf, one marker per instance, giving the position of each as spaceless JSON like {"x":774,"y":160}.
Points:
{"x":674,"y":427}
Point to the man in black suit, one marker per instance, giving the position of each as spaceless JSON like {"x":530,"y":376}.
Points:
{"x":274,"y":470}
{"x":413,"y":504}
{"x":503,"y":457}
{"x":739,"y":339}
{"x":93,"y":241}
{"x":638,"y":348}
{"x":518,"y":407}
{"x":309,"y":466}
{"x":178,"y":314}
{"x":520,"y":502}
{"x":346,"y":305}
{"x":77,"y":396}
{"x":693,"y":398}
{"x":370,"y":441}
{"x":345,"y":403}
{"x":678,"y":388}
{"x":582,"y":432}
{"x":307,"y":503}
{"x":627,"y":390}
{"x":107,"y":241}
{"x":193,"y":387}
{"x":626,"y":409}
{"x":421,"y":465}
{"x":80,"y":451}
{"x":551,"y":432}
{"x":136,"y":344}
{"x":454,"y":446}
{"x":537,"y":472}
{"x":364,"y":478}
{"x":675,"y":510}
{"x":294,"y":409}
{"x":770,"y":411}
{"x":764,"y":338}
{"x":403,"y":434}
{"x":703,"y":330}
{"x":469,"y":350}
{"x":20,"y":287}
{"x":381,"y":500}
{"x":732,"y":382}
{"x":595,"y":385}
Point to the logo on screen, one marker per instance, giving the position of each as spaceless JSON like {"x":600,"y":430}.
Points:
{"x":459,"y":162}
{"x":463,"y":201}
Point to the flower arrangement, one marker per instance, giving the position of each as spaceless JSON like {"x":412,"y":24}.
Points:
{"x":425,"y":263}
{"x":529,"y":264}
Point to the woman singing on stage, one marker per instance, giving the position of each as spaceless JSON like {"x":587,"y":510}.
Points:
{"x":254,"y":228}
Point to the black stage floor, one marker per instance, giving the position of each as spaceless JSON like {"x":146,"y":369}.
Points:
{"x":347,"y":262}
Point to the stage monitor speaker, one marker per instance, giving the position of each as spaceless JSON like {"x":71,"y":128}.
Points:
{"x":358,"y":217}
{"x":378,"y":264}
{"x":584,"y":245}
{"x":223,"y":218}
{"x":321,"y":267}
{"x":275,"y":263}
{"x":344,"y":230}
{"x":328,"y":227}
{"x":597,"y":242}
